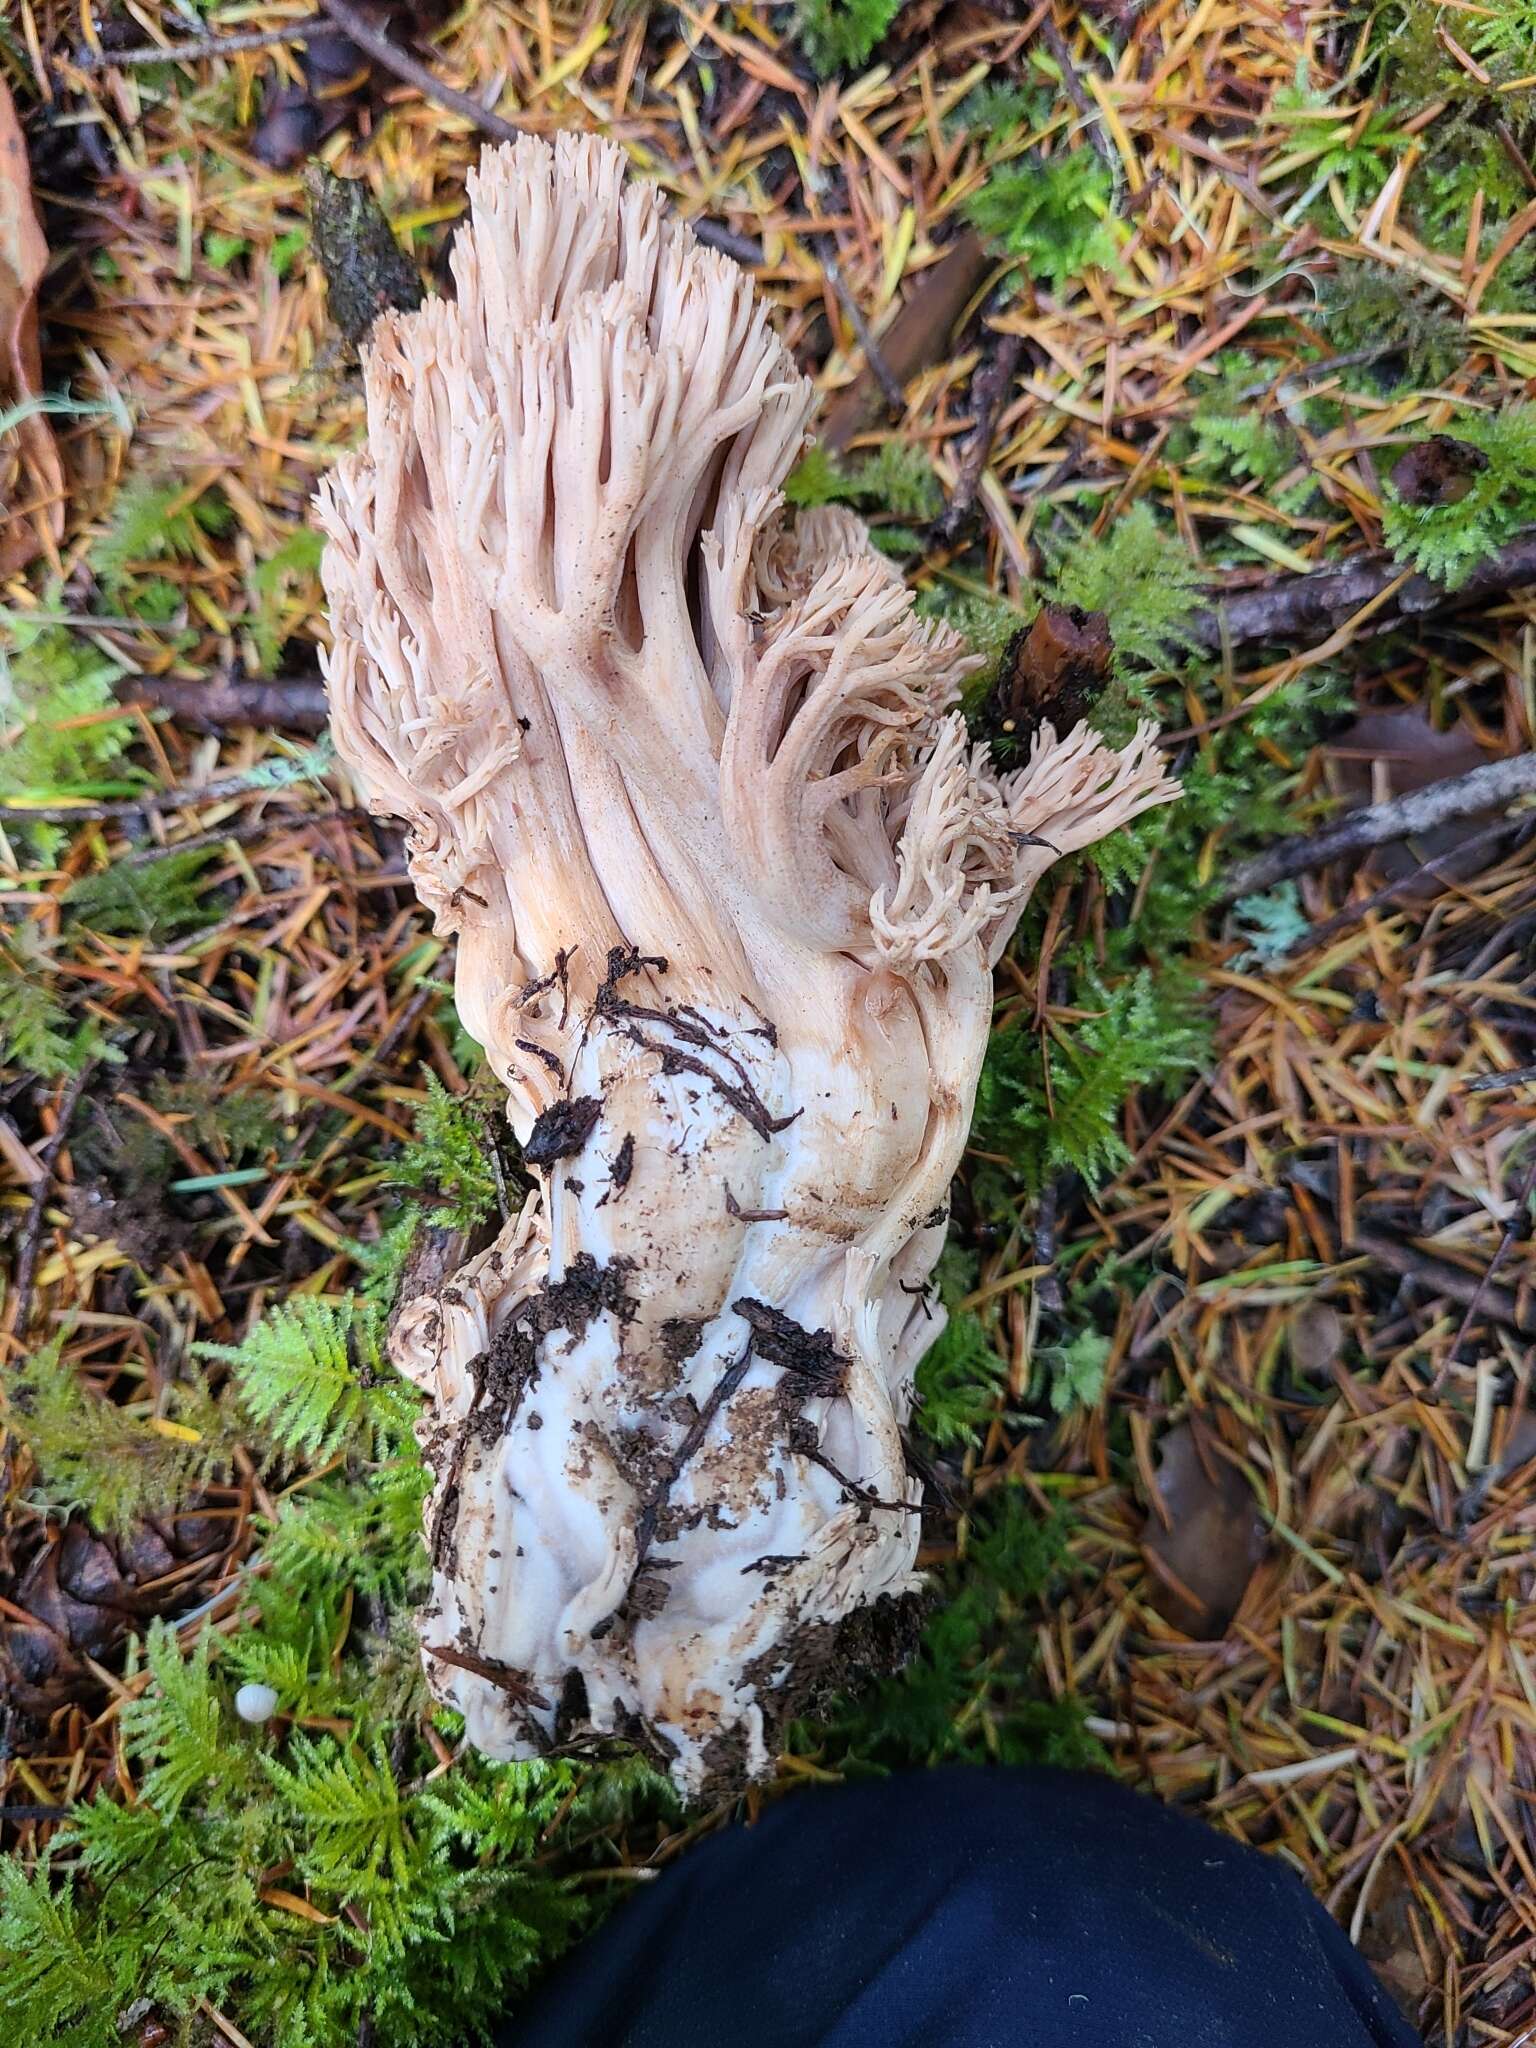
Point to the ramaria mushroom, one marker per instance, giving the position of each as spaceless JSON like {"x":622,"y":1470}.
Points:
{"x":684,"y":774}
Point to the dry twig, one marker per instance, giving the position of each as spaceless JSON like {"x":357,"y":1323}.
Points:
{"x":990,"y":388}
{"x":372,"y":41}
{"x":1400,"y":817}
{"x":198,"y":49}
{"x":1295,"y":607}
{"x":31,"y":1237}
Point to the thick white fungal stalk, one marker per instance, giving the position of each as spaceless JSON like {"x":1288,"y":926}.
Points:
{"x":728,"y":879}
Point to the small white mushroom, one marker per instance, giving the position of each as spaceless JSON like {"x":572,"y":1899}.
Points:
{"x":685,"y":776}
{"x":256,"y":1703}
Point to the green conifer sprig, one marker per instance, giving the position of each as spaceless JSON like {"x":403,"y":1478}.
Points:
{"x":1140,"y":575}
{"x":151,"y":522}
{"x":1146,"y":1029}
{"x":158,"y":898}
{"x":960,"y":1383}
{"x":897,"y":479}
{"x":159,"y":1904}
{"x":312,"y":1376}
{"x":38,"y":1034}
{"x":58,"y":706}
{"x":449,"y":1157}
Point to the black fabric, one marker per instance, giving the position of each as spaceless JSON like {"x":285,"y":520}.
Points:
{"x":968,"y":1909}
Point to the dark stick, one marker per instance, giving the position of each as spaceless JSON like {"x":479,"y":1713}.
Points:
{"x":1043,"y":1242}
{"x":1309,"y":373}
{"x":1495,"y":1084}
{"x":410,"y":1011}
{"x":292,"y":703}
{"x":1298,"y":605}
{"x":243,"y":830}
{"x":714,"y":234}
{"x":1515,"y":153}
{"x":1512,"y":1229}
{"x":374,"y":43}
{"x":32,"y":1229}
{"x":890,"y":384}
{"x":1434,"y":871}
{"x":1056,"y":43}
{"x":217,"y":791}
{"x":918,"y":336}
{"x":1438,"y":1276}
{"x":989,"y":393}
{"x":1419,"y":810}
{"x":344,"y":18}
{"x":510,"y":1681}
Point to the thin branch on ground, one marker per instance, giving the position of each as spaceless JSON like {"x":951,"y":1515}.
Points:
{"x":223,"y":703}
{"x":714,"y":234}
{"x":1439,"y":1276}
{"x":1043,"y":1242}
{"x":220,"y":790}
{"x":890,"y":384}
{"x":198,"y":49}
{"x":1519,"y":1217}
{"x":1295,"y":607}
{"x":1496,"y":1084}
{"x":989,"y":394}
{"x":1400,"y":817}
{"x":243,"y":830}
{"x":1437,"y":872}
{"x":32,"y":1229}
{"x":372,"y":41}
{"x":1077,"y":93}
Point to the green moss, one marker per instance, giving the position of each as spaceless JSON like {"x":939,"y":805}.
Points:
{"x":449,"y":1157}
{"x":842,"y":35}
{"x":1052,"y":213}
{"x":116,"y":1462}
{"x":971,"y":1693}
{"x":1139,"y":574}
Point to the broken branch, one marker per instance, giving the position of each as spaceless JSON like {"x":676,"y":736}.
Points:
{"x":989,"y":393}
{"x":372,"y":41}
{"x":1418,"y":810}
{"x":1296,"y":606}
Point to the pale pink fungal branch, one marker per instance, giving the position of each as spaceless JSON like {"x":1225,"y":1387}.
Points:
{"x":685,"y":776}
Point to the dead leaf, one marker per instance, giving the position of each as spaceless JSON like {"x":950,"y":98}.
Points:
{"x":1203,"y":1538}
{"x":1388,"y":753}
{"x":1438,"y":471}
{"x":1387,"y":1937}
{"x":1316,"y":1337}
{"x":30,"y":471}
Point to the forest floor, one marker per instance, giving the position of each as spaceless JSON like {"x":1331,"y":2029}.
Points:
{"x":1252,"y":1346}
